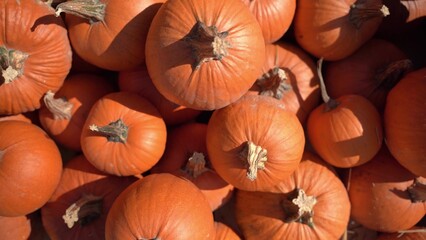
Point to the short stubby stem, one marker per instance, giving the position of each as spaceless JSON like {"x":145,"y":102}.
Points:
{"x":196,"y":165}
{"x":59,"y":107}
{"x":274,"y":83}
{"x":207,"y":43}
{"x":12,"y":64}
{"x":254,"y":157}
{"x":115,"y":131}
{"x":92,"y":10}
{"x":417,"y":191}
{"x":362,"y":11}
{"x":298,"y":207}
{"x":83,"y":211}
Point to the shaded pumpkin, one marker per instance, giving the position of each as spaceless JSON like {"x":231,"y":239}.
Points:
{"x":17,"y":228}
{"x":223,"y":232}
{"x":259,"y":148}
{"x":208,"y":55}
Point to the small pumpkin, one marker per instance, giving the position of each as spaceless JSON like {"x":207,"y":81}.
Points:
{"x":223,"y":232}
{"x":63,"y":113}
{"x":79,"y":206}
{"x":208,"y":55}
{"x":185,"y":212}
{"x":259,"y":148}
{"x":310,"y":204}
{"x":124,"y":134}
{"x":35,"y":54}
{"x":346,"y":131}
{"x":405,"y":122}
{"x":17,"y":228}
{"x":31,"y":168}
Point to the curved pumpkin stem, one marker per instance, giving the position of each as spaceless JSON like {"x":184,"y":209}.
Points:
{"x":93,"y":10}
{"x":417,"y":191}
{"x":361,"y":11}
{"x":11,"y":63}
{"x":207,"y":43}
{"x":84,"y":211}
{"x":389,"y":76}
{"x":59,"y":107}
{"x":298,"y":207}
{"x":115,"y":131}
{"x":255,"y":158}
{"x":196,"y":165}
{"x":330,"y":103}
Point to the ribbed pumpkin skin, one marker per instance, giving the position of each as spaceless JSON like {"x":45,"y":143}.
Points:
{"x":274,"y":16}
{"x":405,"y":122}
{"x":146,"y":135}
{"x":17,"y":228}
{"x":31,"y":168}
{"x":260,"y":215}
{"x":379,"y":197}
{"x":81,"y":179}
{"x":30,"y":26}
{"x":265,"y":122}
{"x":214,"y":84}
{"x":323,"y":27}
{"x":160,"y":206}
{"x":349,"y":135}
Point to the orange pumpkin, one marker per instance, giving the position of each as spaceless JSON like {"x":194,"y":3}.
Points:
{"x":255,"y":142}
{"x":208,"y":55}
{"x":223,"y":232}
{"x":16,"y":228}
{"x":124,"y":134}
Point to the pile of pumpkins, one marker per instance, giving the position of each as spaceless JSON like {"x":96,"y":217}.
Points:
{"x":225,"y":119}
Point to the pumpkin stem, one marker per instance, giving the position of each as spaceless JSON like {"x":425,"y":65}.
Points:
{"x":196,"y":165}
{"x":361,"y":11}
{"x":330,"y":103}
{"x":298,"y":207}
{"x":389,"y":76}
{"x":254,"y":157}
{"x":417,"y":230}
{"x":11,"y":64}
{"x":417,"y":191}
{"x":207,"y":43}
{"x":115,"y":131}
{"x":273,"y":83}
{"x":84,"y":211}
{"x":93,"y":10}
{"x":59,"y":107}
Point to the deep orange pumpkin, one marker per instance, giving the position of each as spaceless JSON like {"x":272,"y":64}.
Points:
{"x":79,"y":207}
{"x":310,"y":204}
{"x":405,"y":122}
{"x":31,"y":168}
{"x":16,"y":228}
{"x":255,"y":142}
{"x":35,"y":54}
{"x":63,"y":113}
{"x":186,"y":155}
{"x":333,"y":29}
{"x":160,"y":206}
{"x":110,"y":34}
{"x":206,"y":56}
{"x":124,"y":134}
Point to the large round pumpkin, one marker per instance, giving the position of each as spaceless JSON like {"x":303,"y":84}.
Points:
{"x":35,"y":54}
{"x":31,"y":168}
{"x":160,"y":206}
{"x":255,"y":143}
{"x":204,"y":54}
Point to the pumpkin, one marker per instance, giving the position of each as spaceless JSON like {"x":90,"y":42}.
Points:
{"x":138,"y":81}
{"x":17,"y":117}
{"x":209,"y":45}
{"x":35,"y":54}
{"x":17,"y":228}
{"x":79,"y":206}
{"x":372,"y":71}
{"x":333,"y":30}
{"x":289,"y":74}
{"x":384,"y":195}
{"x":123,"y":134}
{"x":346,"y":131}
{"x":223,"y":232}
{"x":186,"y":155}
{"x":31,"y":167}
{"x":274,"y":17}
{"x":109,"y":34}
{"x":259,"y":148}
{"x":310,"y":204}
{"x":405,"y":122}
{"x":160,"y":206}
{"x":63,"y":113}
